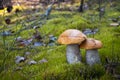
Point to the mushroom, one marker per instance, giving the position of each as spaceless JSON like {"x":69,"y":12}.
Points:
{"x":91,"y":45}
{"x":72,"y":38}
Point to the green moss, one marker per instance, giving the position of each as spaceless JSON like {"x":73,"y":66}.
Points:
{"x":57,"y":67}
{"x":107,"y":77}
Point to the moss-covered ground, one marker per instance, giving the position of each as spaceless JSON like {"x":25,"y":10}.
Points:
{"x":57,"y":67}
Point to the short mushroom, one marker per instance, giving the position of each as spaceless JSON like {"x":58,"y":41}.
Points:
{"x":72,"y":38}
{"x":91,"y":45}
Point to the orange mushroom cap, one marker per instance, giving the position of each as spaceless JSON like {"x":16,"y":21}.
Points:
{"x":91,"y":43}
{"x":71,"y":36}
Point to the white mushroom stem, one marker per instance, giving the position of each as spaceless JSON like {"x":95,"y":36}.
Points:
{"x":73,"y":53}
{"x":92,"y":57}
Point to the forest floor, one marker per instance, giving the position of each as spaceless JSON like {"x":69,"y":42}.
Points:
{"x":45,"y":59}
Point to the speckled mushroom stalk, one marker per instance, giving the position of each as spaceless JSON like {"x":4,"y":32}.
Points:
{"x":92,"y":57}
{"x":91,"y":45}
{"x":72,"y":38}
{"x":73,"y":53}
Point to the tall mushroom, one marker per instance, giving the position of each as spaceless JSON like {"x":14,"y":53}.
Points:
{"x":72,"y":38}
{"x":91,"y":45}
